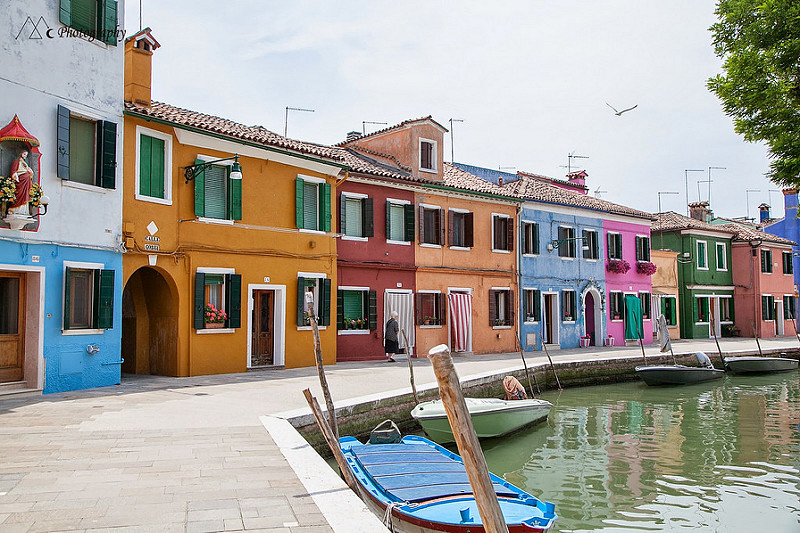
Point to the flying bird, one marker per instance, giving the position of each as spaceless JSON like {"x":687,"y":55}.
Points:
{"x":619,"y":113}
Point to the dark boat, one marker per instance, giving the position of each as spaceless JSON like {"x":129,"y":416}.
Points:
{"x":680,"y":374}
{"x":759,"y":365}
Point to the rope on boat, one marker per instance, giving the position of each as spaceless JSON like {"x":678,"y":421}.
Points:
{"x":387,"y":516}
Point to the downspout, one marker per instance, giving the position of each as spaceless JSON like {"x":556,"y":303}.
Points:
{"x":520,"y":294}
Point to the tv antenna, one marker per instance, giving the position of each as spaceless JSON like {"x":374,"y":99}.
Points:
{"x":747,"y":196}
{"x":570,"y":157}
{"x":286,"y":119}
{"x":598,"y":192}
{"x":364,"y":125}
{"x":452,"y":156}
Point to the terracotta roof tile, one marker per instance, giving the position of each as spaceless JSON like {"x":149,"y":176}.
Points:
{"x":672,"y":221}
{"x":461,"y":179}
{"x":390,"y":128}
{"x":747,"y":233}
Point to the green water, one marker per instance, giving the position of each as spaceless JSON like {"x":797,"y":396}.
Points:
{"x":721,"y":456}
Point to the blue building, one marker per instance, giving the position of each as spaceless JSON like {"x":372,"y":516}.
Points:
{"x":61,"y":226}
{"x":787,"y":227}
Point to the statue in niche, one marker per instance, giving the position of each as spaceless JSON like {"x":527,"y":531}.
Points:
{"x":22,"y":175}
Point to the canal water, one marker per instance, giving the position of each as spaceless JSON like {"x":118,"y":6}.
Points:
{"x":721,"y":456}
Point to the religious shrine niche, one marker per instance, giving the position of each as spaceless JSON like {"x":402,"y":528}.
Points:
{"x":22,"y":201}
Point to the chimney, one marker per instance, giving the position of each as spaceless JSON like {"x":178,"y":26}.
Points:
{"x":138,"y":67}
{"x":500,"y":180}
{"x":353,"y":135}
{"x":764,"y":212}
{"x":700,"y":211}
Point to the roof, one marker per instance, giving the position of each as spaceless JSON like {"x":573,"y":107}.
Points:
{"x":747,"y":233}
{"x":672,"y":221}
{"x":147,"y":35}
{"x":229,"y":128}
{"x":566,"y":183}
{"x":402,"y":125}
{"x":366,"y":165}
{"x":461,"y":179}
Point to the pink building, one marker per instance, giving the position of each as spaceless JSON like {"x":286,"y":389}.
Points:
{"x":628,"y":271}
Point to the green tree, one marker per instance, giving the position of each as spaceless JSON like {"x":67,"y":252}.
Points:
{"x":759,"y":41}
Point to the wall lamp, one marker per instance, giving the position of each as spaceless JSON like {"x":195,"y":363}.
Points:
{"x":193,"y":170}
{"x":44,"y":201}
{"x":755,"y":242}
{"x":555,"y":243}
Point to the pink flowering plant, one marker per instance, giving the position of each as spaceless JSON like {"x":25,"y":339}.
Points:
{"x":618,"y":266}
{"x":214,"y":315}
{"x":646,"y":267}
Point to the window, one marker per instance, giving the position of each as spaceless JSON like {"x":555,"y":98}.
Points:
{"x":702,"y":255}
{"x":502,"y":233}
{"x":217,"y":298}
{"x":87,"y":150}
{"x":701,"y":314}
{"x":216,"y":194}
{"x":88,"y":298}
{"x":617,"y":305}
{"x":644,"y":297}
{"x":788,"y":267}
{"x":501,"y":307}
{"x":566,"y":244}
{"x":642,"y":248}
{"x":356,"y":218}
{"x":614,"y":246}
{"x":569,"y":307}
{"x":427,"y":155}
{"x":356,"y":309}
{"x":768,"y":307}
{"x":94,"y":18}
{"x":312,"y":204}
{"x":725,"y":309}
{"x":399,"y":221}
{"x":766,"y":261}
{"x":320,"y":288}
{"x":669,"y":308}
{"x":788,"y":307}
{"x":431,"y":225}
{"x":591,"y":248}
{"x":722,"y":256}
{"x":430,"y":309}
{"x":459,"y":229}
{"x":530,"y":238}
{"x":153,"y":166}
{"x":531,"y":305}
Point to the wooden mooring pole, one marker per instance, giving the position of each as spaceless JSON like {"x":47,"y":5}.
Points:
{"x":467,"y":441}
{"x":410,"y":366}
{"x":320,"y":368}
{"x":331,"y":441}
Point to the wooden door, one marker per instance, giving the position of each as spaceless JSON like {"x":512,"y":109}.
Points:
{"x":12,"y":326}
{"x":263,"y":334}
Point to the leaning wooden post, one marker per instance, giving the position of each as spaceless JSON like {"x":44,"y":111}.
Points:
{"x":331,"y":440}
{"x":467,"y":441}
{"x":320,"y":368}
{"x":410,"y":367}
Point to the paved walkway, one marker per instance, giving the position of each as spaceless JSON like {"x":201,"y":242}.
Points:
{"x":198,"y":454}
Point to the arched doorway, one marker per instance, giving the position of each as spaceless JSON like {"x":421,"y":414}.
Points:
{"x":149,"y":325}
{"x":593,"y":316}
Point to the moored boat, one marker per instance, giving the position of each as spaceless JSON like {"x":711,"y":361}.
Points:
{"x":759,"y":365}
{"x":420,"y":487}
{"x":491,"y":417}
{"x":680,"y":374}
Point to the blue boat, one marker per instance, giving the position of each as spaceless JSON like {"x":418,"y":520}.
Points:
{"x":420,"y":487}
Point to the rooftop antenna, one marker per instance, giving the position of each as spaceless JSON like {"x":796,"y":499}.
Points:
{"x":709,"y":181}
{"x":452,"y":156}
{"x":570,"y":157}
{"x":698,"y":189}
{"x":686,"y":177}
{"x":286,"y":120}
{"x":769,"y":193}
{"x":598,"y":192}
{"x":364,"y":125}
{"x":747,"y":195}
{"x":140,"y":15}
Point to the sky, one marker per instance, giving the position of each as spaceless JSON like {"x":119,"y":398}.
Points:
{"x":532,"y":82}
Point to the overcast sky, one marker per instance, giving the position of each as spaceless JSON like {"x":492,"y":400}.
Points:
{"x":530,"y":80}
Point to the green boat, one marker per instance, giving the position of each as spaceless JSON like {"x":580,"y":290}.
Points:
{"x":491,"y":417}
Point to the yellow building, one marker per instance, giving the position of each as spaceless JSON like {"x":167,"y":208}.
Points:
{"x":225,"y":227}
{"x":665,"y":289}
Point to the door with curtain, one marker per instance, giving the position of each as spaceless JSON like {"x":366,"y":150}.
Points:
{"x":403,"y":303}
{"x":460,"y":309}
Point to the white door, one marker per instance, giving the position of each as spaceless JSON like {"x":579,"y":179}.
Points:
{"x":779,"y":318}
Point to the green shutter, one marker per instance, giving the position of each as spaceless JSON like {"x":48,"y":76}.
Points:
{"x":104,"y":299}
{"x":199,"y":191}
{"x":325,"y":312}
{"x":353,"y":304}
{"x":157,"y":168}
{"x":524,"y":304}
{"x":537,"y":305}
{"x":298,"y":202}
{"x":343,"y":214}
{"x":367,"y":218}
{"x":199,"y":300}
{"x":408,"y":211}
{"x":145,"y":169}
{"x":216,"y":204}
{"x":388,"y":220}
{"x":325,"y":204}
{"x":301,"y":299}
{"x":234,"y":197}
{"x":108,"y":154}
{"x":340,"y":309}
{"x":372,"y":310}
{"x":109,"y":20}
{"x":67,"y":291}
{"x":65,"y":12}
{"x":62,"y":128}
{"x":233,"y":297}
{"x":84,"y":15}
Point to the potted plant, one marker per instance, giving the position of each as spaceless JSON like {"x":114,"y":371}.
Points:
{"x":214,"y":318}
{"x":498,"y":321}
{"x":646,"y":267}
{"x":618,"y":266}
{"x":8,"y":192}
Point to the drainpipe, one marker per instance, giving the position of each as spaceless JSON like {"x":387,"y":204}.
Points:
{"x":520,"y":295}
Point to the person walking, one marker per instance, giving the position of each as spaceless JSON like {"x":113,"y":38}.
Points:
{"x":390,"y":337}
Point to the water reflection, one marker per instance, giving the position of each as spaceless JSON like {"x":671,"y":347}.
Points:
{"x":708,"y":457}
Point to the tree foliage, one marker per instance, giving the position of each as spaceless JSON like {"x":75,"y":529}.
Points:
{"x":759,"y":41}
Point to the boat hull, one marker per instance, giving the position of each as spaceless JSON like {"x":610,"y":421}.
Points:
{"x":491,"y":417}
{"x":759,"y":365}
{"x":677,"y":374}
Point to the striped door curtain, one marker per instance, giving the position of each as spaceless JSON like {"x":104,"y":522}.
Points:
{"x":403,"y":303}
{"x":460,"y":320}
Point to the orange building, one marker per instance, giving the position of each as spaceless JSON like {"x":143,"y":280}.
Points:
{"x":217,"y":259}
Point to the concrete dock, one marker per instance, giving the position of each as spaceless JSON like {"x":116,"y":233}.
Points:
{"x":218,"y":453}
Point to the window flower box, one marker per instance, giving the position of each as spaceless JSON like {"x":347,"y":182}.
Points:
{"x":618,"y":266}
{"x":214,"y":318}
{"x":646,"y":267}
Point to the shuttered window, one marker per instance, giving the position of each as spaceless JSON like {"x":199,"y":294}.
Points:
{"x":151,"y":166}
{"x":788,"y":267}
{"x":356,"y":310}
{"x":722,"y":256}
{"x":87,"y":150}
{"x":431,"y":309}
{"x":646,"y":304}
{"x":400,"y":225}
{"x":566,"y":242}
{"x":642,"y":248}
{"x":501,"y":307}
{"x":669,"y":309}
{"x":224,"y":293}
{"x":531,"y":305}
{"x":702,"y":255}
{"x":431,"y":225}
{"x":502,"y":233}
{"x":768,"y":307}
{"x":614,"y":246}
{"x":530,"y":238}
{"x":88,"y":298}
{"x":590,"y":245}
{"x":788,"y":306}
{"x":82,"y":138}
{"x":617,"y":304}
{"x":701,"y":310}
{"x":569,"y":309}
{"x":95,"y":18}
{"x":312,"y":205}
{"x":766,"y":261}
{"x":320,"y":288}
{"x":215,"y":193}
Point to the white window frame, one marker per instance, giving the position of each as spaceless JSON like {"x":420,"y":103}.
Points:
{"x":710,"y":303}
{"x":705,"y":255}
{"x":354,"y":196}
{"x":83,"y":266}
{"x":730,"y":308}
{"x":352,"y":288}
{"x":463,"y":212}
{"x":216,"y":270}
{"x":621,"y":249}
{"x":610,"y":302}
{"x":724,"y":256}
{"x":395,"y":201}
{"x":507,"y":291}
{"x":649,"y":311}
{"x":596,"y":241}
{"x":522,"y":232}
{"x":434,"y":155}
{"x":575,"y":306}
{"x":531,"y":289}
{"x":494,"y":245}
{"x":211,"y":220}
{"x":318,"y":276}
{"x":429,"y":244}
{"x":167,"y":138}
{"x":318,"y":181}
{"x":441,"y":311}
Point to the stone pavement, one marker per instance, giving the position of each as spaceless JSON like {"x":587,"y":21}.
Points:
{"x":199,"y":454}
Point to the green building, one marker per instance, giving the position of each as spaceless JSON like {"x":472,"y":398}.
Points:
{"x":705,"y":276}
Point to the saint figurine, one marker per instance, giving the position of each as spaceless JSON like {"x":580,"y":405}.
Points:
{"x":22,"y":174}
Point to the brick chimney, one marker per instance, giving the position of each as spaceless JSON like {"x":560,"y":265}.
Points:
{"x":700,"y":211}
{"x":138,"y":67}
{"x":353,"y":135}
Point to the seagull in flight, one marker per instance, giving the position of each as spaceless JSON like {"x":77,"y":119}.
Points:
{"x":619,"y":113}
